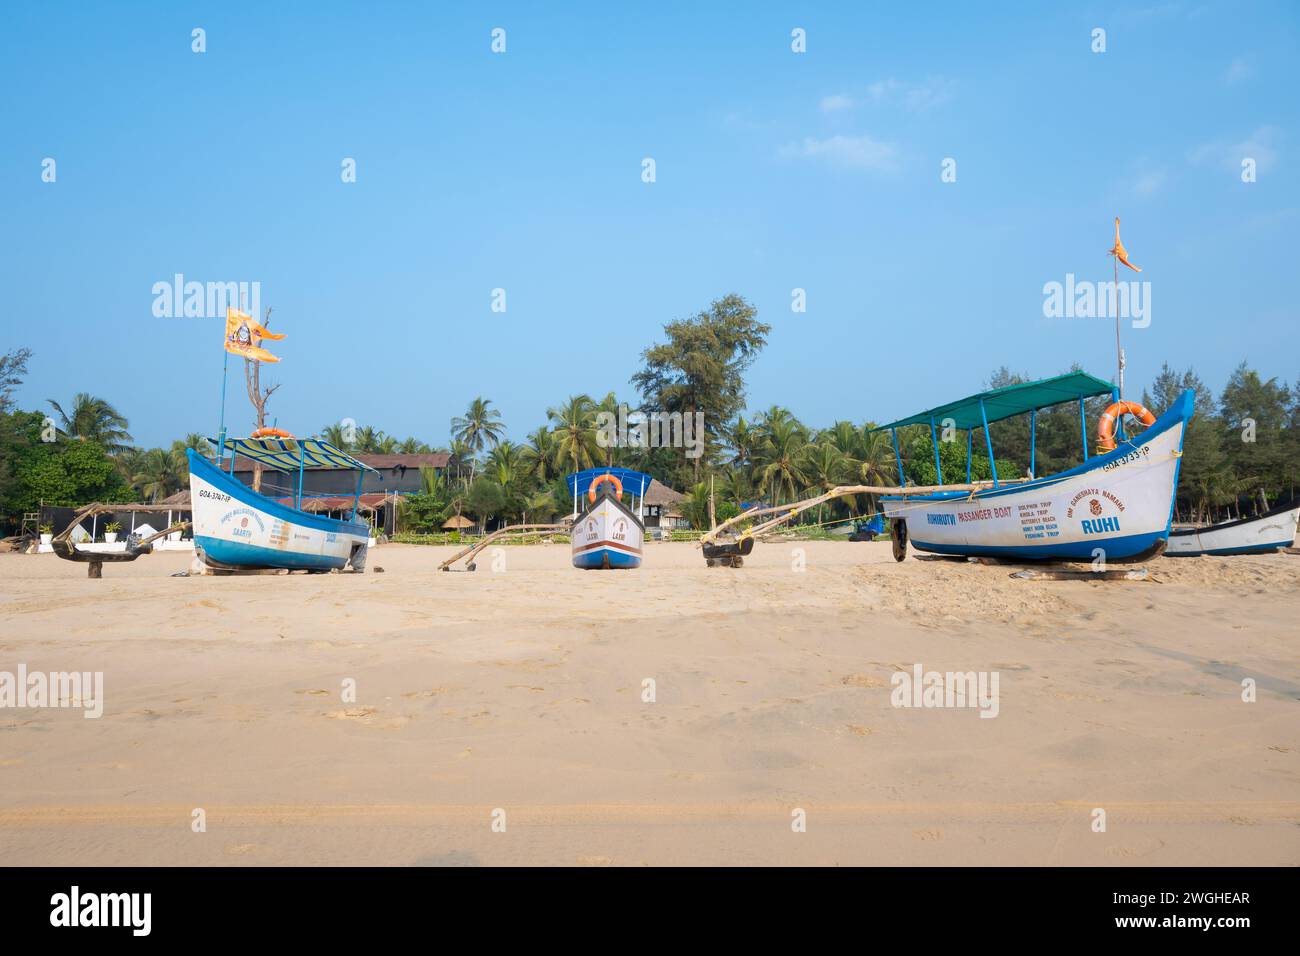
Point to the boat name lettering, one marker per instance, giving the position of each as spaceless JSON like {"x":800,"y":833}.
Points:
{"x":940,"y":519}
{"x":1100,"y":525}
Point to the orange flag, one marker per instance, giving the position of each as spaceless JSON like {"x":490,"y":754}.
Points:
{"x":244,"y":336}
{"x":1118,"y":250}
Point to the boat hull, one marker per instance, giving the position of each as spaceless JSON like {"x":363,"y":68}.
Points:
{"x":235,"y":527}
{"x":1260,"y":535}
{"x":607,"y":535}
{"x":1117,"y":507}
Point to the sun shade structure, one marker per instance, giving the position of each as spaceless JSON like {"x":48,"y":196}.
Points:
{"x":1000,"y":403}
{"x":635,"y":483}
{"x":292,"y":454}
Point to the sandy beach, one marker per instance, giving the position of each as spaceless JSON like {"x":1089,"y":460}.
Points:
{"x":521,"y":690}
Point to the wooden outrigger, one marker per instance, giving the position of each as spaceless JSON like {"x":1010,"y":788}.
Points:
{"x":720,"y":547}
{"x":510,"y":531}
{"x":65,"y":548}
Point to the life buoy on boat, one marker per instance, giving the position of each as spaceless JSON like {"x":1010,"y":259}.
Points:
{"x":1106,"y":426}
{"x":591,"y":489}
{"x":269,"y":433}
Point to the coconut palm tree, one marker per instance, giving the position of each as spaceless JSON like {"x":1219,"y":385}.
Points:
{"x":337,"y":435}
{"x":479,"y":427}
{"x":158,"y":475}
{"x":574,"y":427}
{"x":742,"y":438}
{"x":824,"y":467}
{"x":779,"y":460}
{"x":539,"y":455}
{"x":93,"y":419}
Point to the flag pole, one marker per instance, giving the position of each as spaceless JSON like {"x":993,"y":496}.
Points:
{"x":221,"y":440}
{"x":1119,"y":351}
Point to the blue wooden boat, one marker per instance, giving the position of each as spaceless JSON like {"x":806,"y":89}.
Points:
{"x":1116,"y":505}
{"x":236,"y":528}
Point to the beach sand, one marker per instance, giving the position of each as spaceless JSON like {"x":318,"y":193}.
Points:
{"x":520,"y":690}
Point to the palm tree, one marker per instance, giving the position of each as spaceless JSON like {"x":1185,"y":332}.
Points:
{"x":337,"y":436}
{"x":158,"y":475}
{"x":575,"y":432}
{"x":93,"y":419}
{"x":539,"y":454}
{"x":778,"y":461}
{"x":876,"y":464}
{"x":412,"y":446}
{"x":477,"y":428}
{"x":195,"y":441}
{"x":825,"y":467}
{"x":742,"y":438}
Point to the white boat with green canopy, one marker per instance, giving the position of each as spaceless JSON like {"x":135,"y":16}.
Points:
{"x":1116,"y":505}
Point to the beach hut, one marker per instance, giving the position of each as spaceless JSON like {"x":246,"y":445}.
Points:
{"x":457,"y":523}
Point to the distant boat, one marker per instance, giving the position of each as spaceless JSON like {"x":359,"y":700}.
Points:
{"x":1259,"y":535}
{"x":235,"y":528}
{"x":1117,"y":505}
{"x":608,"y":533}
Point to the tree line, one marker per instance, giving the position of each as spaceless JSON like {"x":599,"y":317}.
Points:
{"x":1241,"y":451}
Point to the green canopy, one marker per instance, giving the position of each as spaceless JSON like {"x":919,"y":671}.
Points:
{"x":288,"y":454}
{"x":1012,"y":400}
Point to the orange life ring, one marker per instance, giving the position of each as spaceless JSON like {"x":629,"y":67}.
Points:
{"x":269,"y":433}
{"x":591,"y":489}
{"x":1106,"y":426}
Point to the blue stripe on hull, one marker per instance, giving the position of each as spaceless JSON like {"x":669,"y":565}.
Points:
{"x":1223,"y":552}
{"x":1125,"y":546}
{"x":238,"y":554}
{"x":595,"y":560}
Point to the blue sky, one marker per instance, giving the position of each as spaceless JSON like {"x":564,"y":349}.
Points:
{"x":522,"y":171}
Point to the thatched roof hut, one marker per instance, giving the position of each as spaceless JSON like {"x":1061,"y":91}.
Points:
{"x":456,"y":523}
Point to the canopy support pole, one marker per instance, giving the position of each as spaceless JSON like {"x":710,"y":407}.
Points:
{"x":302,"y":453}
{"x":356,"y":500}
{"x":1033,"y":441}
{"x":1083,"y":428}
{"x":934,"y":438}
{"x":970,"y":447}
{"x":898,"y":458}
{"x":988,"y":443}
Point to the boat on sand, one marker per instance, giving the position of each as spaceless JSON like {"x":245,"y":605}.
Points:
{"x":1261,"y":534}
{"x":236,"y":528}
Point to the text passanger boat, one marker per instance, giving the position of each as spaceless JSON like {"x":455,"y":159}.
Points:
{"x":1117,"y":505}
{"x":237,"y":528}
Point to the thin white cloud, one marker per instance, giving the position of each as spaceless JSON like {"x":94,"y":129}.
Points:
{"x":1259,"y":146}
{"x":1238,"y":71}
{"x":846,"y":152}
{"x":836,"y":102}
{"x":933,"y":91}
{"x":1149,"y":183}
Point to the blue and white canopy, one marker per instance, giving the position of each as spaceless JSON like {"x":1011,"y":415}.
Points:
{"x":289,"y":454}
{"x":634,"y":482}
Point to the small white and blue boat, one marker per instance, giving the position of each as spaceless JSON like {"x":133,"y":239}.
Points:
{"x":608,"y":533}
{"x":1262,"y":534}
{"x":1117,"y":505}
{"x":236,"y":528}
